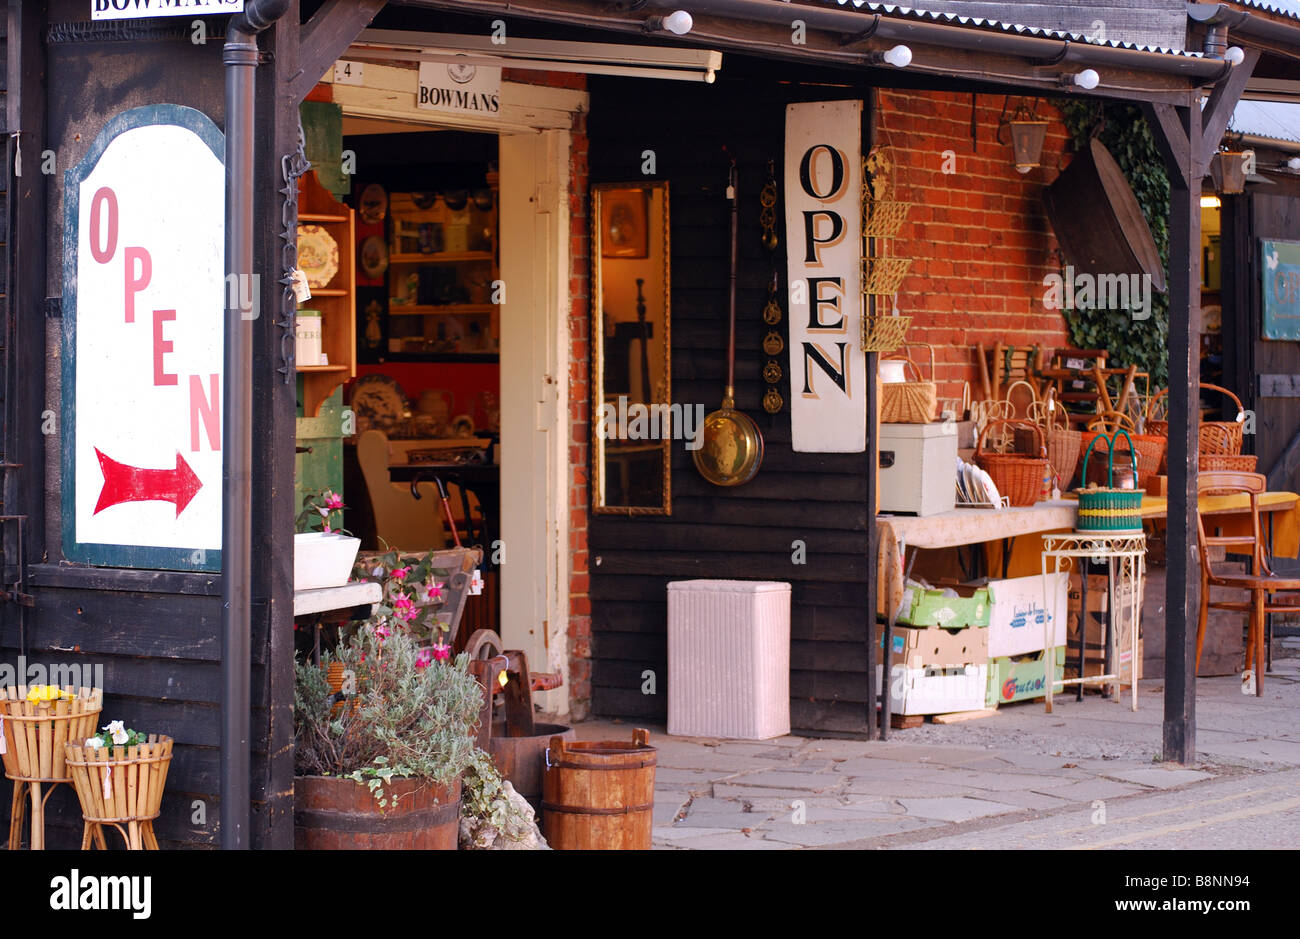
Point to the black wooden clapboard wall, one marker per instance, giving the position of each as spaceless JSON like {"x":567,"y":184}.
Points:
{"x":748,"y":532}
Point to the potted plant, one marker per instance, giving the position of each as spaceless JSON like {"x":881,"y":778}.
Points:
{"x":119,"y":775}
{"x":323,"y":553}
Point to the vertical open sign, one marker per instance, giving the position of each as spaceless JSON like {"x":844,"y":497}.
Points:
{"x":144,"y":298}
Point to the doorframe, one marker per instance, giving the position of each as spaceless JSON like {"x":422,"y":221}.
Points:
{"x":534,"y":607}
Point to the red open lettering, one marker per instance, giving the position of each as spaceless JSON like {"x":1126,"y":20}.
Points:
{"x":134,"y":283}
{"x":161,"y":347}
{"x":208,"y":409}
{"x":104,"y":197}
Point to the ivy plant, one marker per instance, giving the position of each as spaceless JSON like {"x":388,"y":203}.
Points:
{"x":1126,"y":134}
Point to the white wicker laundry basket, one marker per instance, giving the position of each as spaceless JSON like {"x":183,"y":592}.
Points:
{"x":729,"y":659}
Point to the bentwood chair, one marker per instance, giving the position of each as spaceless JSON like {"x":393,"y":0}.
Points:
{"x":1259,"y":581}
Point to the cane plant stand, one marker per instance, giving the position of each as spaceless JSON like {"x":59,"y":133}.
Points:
{"x":120,"y":786}
{"x":32,"y":744}
{"x":1125,"y":556}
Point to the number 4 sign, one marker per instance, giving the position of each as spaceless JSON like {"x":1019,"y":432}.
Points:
{"x":143,"y":308}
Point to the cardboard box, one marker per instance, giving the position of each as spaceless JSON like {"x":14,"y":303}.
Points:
{"x":932,"y":608}
{"x":916,"y":648}
{"x":1018,"y":678}
{"x":1017,"y":616}
{"x":934,"y":690}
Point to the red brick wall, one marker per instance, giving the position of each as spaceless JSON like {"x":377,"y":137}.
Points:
{"x":980,"y":238}
{"x":580,"y":434}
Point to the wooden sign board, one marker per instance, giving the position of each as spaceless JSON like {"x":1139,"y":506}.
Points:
{"x":823,"y":223}
{"x":143,"y":343}
{"x":455,"y":88}
{"x":1280,"y":268}
{"x":145,"y":9}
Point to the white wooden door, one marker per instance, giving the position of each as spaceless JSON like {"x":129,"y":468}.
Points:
{"x":534,"y":401}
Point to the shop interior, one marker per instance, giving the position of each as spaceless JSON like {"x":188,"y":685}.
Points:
{"x":398,"y":347}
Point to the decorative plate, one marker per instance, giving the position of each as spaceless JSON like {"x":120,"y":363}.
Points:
{"x":374,"y":256}
{"x":374,"y":203}
{"x":318,"y":255}
{"x":379,"y":404}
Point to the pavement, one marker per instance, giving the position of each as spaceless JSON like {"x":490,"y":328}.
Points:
{"x":1089,"y":775}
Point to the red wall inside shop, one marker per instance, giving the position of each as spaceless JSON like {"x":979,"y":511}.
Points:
{"x":980,"y":238}
{"x":465,"y":380}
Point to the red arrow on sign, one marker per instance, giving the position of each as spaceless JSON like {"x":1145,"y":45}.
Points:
{"x":124,"y":483}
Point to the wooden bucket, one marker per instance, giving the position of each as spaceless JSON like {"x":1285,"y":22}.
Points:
{"x":523,"y":759}
{"x":35,"y":731}
{"x":330,"y":813}
{"x":600,"y":795}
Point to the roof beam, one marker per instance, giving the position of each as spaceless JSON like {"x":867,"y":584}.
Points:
{"x":1223,"y":99}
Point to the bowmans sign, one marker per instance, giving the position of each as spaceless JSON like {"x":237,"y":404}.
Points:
{"x":143,"y":9}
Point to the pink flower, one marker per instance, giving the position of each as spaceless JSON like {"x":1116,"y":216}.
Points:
{"x":424,"y":657}
{"x":441,"y":651}
{"x":326,"y":528}
{"x":333,"y":500}
{"x":403,"y":608}
{"x":383,"y":632}
{"x":399,"y":573}
{"x":435,"y":591}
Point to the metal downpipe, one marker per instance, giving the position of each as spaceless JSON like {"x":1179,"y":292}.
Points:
{"x":240,"y":57}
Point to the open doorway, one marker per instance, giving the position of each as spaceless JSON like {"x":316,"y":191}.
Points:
{"x":460,"y":327}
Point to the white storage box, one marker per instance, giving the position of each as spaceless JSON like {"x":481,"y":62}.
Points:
{"x":1017,"y":617}
{"x":934,"y":689}
{"x":729,"y":659}
{"x":923,"y":476}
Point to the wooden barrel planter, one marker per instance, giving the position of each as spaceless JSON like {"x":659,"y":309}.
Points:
{"x":599,"y":796}
{"x":522,"y":759}
{"x":35,"y":733}
{"x":121,"y":786}
{"x":330,"y":813}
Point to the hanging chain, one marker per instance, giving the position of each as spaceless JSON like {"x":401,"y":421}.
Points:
{"x":773,"y":344}
{"x":292,"y":166}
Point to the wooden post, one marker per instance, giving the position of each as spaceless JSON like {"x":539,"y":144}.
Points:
{"x":873,"y":546}
{"x":1179,"y":132}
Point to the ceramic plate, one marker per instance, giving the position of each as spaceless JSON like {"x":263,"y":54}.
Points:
{"x":379,"y":404}
{"x":318,"y":255}
{"x":374,"y":256}
{"x":374,"y":203}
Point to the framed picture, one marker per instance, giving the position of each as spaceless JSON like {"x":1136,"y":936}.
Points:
{"x":623,"y":217}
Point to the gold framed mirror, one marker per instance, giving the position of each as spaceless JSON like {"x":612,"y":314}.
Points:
{"x":632,"y":423}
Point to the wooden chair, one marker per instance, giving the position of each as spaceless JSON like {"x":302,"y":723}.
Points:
{"x":401,"y":520}
{"x":1260,"y":581}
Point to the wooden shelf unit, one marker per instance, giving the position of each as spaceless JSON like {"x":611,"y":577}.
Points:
{"x":476,"y":269}
{"x":336,"y":301}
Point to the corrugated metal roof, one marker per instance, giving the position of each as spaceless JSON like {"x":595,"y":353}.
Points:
{"x":1272,"y":119}
{"x":1289,"y":8}
{"x":977,"y":22}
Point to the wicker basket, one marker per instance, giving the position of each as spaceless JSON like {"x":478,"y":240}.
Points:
{"x":1108,"y":509}
{"x":1150,"y":447}
{"x":883,"y":333}
{"x":35,"y":731}
{"x":121,"y":786}
{"x":910,"y":402}
{"x":1018,"y":477}
{"x":1228,"y":443}
{"x":1226,"y":463}
{"x":1064,"y":446}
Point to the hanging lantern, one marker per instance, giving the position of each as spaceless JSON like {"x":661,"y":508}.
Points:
{"x":1027,"y":135}
{"x":1228,"y":169}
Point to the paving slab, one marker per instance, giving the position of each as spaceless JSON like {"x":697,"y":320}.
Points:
{"x":1031,"y":800}
{"x":1087,"y":790}
{"x":955,"y":809}
{"x":671,"y":776}
{"x":927,"y":754}
{"x":701,"y":758}
{"x":873,"y":768}
{"x":1161,"y":778}
{"x":998,"y":782}
{"x":823,"y":834}
{"x":894,"y":789}
{"x":1261,"y":751}
{"x":735,"y":841}
{"x":808,"y":782}
{"x":666,"y":808}
{"x":679,"y":835}
{"x":731,"y":790}
{"x":734,"y":820}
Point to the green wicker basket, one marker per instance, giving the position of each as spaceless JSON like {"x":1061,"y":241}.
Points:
{"x":1109,"y":510}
